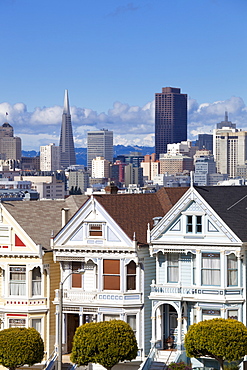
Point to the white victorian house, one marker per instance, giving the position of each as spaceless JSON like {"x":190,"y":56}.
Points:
{"x":200,"y":252}
{"x":107,"y":238}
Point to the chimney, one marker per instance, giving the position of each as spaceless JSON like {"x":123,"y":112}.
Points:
{"x":65,"y":216}
{"x":111,"y":189}
{"x":156,"y":220}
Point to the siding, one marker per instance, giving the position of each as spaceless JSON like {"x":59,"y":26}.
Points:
{"x":53,"y":281}
{"x":149,"y":275}
{"x":161,"y":269}
{"x":186,"y":269}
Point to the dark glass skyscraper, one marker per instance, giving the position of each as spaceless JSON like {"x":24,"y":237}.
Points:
{"x":170,"y":118}
{"x":67,"y":150}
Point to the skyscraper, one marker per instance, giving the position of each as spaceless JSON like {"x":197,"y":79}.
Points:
{"x":170,"y":118}
{"x":67,"y":150}
{"x":99,"y":144}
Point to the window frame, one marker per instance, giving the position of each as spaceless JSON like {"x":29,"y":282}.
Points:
{"x":172,"y":267}
{"x":111,"y":274}
{"x":211,"y":268}
{"x":131,"y":277}
{"x":98,"y":232}
{"x":232,"y":270}
{"x":23,"y":271}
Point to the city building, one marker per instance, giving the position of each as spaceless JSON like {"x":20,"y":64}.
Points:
{"x":170,"y":118}
{"x":100,"y":168}
{"x":204,"y":166}
{"x":66,"y":144}
{"x":48,"y":187}
{"x":205,"y":141}
{"x":150,"y":166}
{"x":117,"y":172}
{"x":78,"y":180}
{"x":176,"y":163}
{"x":133,"y":175}
{"x":185,"y":148}
{"x":99,"y":144}
{"x":230,"y":150}
{"x":50,"y":158}
{"x":10,"y":145}
{"x":30,"y":163}
{"x":226,"y":123}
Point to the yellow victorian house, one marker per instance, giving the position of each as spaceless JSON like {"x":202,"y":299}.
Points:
{"x":28,"y":275}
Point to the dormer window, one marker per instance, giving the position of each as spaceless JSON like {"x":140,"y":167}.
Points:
{"x":194,"y":224}
{"x":95,"y":230}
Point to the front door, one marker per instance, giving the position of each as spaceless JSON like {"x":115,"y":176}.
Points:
{"x":72,"y":325}
{"x":170,"y":321}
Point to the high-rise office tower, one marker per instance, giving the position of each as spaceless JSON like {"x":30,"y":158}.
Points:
{"x":230,"y":150}
{"x":50,"y":157}
{"x":67,"y":150}
{"x":170,"y":118}
{"x":10,"y":145}
{"x":99,"y":144}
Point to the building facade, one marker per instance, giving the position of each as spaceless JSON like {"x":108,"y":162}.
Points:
{"x":199,"y":247}
{"x":230,"y":150}
{"x":10,"y":145}
{"x":99,"y":144}
{"x":170,"y":118}
{"x":50,"y":158}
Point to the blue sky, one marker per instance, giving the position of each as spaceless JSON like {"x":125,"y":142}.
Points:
{"x":113,"y":56}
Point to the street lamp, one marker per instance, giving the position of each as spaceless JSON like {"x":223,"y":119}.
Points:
{"x":60,"y":317}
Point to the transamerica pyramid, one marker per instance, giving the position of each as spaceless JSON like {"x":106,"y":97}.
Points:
{"x":67,"y":150}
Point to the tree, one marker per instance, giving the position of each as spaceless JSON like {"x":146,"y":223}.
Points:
{"x":221,"y":339}
{"x":105,"y":343}
{"x":20,"y":346}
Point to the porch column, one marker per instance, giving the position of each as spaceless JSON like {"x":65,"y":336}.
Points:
{"x":153,"y":320}
{"x":159,"y":321}
{"x":179,"y":340}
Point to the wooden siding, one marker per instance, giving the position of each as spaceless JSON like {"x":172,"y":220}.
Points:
{"x":53,"y":281}
{"x":161,"y":274}
{"x":186,"y":269}
{"x":149,"y":275}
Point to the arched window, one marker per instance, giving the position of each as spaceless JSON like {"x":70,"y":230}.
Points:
{"x":131,"y":276}
{"x":232,"y":270}
{"x":36,"y":281}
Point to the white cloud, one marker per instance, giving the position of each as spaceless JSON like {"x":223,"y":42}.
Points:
{"x":132,"y":125}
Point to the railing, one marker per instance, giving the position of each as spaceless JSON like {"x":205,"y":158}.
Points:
{"x":146,"y":364}
{"x":51,"y":361}
{"x":81,"y":296}
{"x":169,"y":289}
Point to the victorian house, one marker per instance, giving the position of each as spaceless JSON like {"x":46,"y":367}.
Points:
{"x":107,"y":239}
{"x":28,"y":274}
{"x":200,"y":251}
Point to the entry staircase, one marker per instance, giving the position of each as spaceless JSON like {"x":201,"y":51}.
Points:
{"x":159,"y":359}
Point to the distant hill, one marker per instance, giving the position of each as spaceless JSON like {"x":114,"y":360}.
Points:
{"x":81,"y":153}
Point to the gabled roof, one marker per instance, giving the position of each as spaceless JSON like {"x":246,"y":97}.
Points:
{"x":41,"y":219}
{"x":230,"y":203}
{"x":133,"y":212}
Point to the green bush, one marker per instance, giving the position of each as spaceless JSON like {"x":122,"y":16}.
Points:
{"x":20,"y":346}
{"x":105,"y":343}
{"x":221,"y":339}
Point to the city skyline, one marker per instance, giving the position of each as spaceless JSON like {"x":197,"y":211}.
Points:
{"x":118,"y":55}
